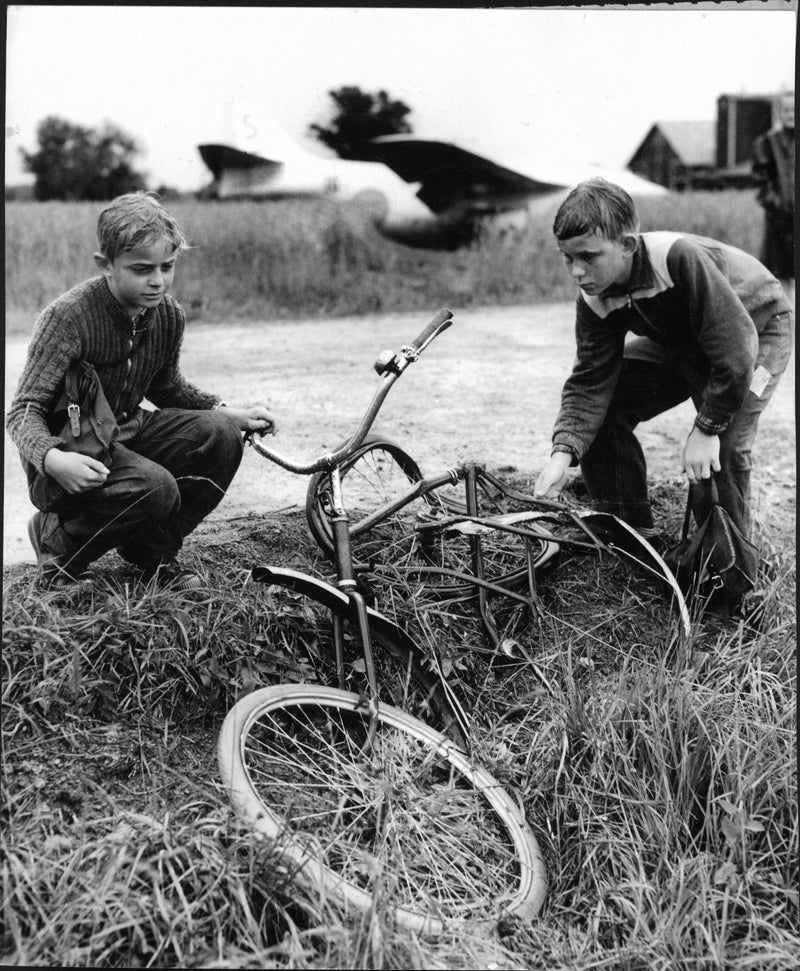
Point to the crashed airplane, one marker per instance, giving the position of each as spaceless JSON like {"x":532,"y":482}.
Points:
{"x":419,"y":192}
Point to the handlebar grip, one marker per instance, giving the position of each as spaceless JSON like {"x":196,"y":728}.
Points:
{"x":440,"y":322}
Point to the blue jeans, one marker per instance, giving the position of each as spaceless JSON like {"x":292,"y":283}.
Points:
{"x":655,"y":379}
{"x":169,"y":469}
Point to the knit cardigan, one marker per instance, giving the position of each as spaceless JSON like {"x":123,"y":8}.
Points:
{"x":134,"y":360}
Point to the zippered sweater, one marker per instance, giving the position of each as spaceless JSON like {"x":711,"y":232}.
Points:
{"x":685,"y":292}
{"x":133,"y":360}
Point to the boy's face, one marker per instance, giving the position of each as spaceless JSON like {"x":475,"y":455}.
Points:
{"x":596,"y":263}
{"x":139,"y":278}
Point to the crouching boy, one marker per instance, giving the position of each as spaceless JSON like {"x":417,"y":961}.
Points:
{"x":169,"y":467}
{"x":710,"y":324}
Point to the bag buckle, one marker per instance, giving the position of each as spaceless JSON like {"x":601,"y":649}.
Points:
{"x":717,"y":583}
{"x":74,"y":414}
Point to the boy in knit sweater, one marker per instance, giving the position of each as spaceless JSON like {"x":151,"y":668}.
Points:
{"x":169,"y":467}
{"x":711,"y":324}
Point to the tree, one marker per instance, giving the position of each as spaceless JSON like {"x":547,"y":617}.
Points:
{"x":361,"y":117}
{"x":77,"y":163}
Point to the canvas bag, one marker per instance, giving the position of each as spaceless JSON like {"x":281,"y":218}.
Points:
{"x":717,"y":563}
{"x":84,"y":419}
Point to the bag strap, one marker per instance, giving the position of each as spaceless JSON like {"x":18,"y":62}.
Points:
{"x":81,"y":371}
{"x":71,"y":385}
{"x":714,"y":492}
{"x":688,"y":514}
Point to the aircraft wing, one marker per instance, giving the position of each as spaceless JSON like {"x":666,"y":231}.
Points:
{"x":450,"y":175}
{"x":219,"y":157}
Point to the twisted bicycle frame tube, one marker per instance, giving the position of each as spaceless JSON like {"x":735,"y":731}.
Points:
{"x":390,"y":367}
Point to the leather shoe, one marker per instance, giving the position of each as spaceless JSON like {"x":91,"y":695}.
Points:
{"x":57,"y":571}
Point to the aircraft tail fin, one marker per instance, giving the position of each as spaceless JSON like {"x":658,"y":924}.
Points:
{"x":256,"y":132}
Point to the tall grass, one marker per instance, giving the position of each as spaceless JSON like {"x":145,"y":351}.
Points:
{"x":658,"y":773}
{"x":255,"y":261}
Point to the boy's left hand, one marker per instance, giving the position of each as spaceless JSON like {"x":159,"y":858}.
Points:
{"x":256,"y":419}
{"x":700,"y":455}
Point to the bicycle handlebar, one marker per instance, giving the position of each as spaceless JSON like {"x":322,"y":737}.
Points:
{"x":390,"y":372}
{"x":439,"y":323}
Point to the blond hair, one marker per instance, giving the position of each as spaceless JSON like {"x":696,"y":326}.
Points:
{"x":133,"y":219}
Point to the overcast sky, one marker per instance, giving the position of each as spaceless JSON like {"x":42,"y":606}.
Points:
{"x":585,"y":84}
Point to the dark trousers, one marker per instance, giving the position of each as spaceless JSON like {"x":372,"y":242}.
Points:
{"x":777,"y":249}
{"x":653,"y":380}
{"x":169,"y":469}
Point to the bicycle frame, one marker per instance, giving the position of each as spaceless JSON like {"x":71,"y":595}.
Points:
{"x":389,"y":366}
{"x":617,"y":538}
{"x":474,"y":476}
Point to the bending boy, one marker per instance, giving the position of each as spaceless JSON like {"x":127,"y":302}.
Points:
{"x":711,"y":324}
{"x":169,"y":467}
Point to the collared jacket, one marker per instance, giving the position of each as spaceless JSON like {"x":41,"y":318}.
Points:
{"x":133,"y":361}
{"x":686,"y":293}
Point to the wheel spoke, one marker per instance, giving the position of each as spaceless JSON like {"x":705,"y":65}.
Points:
{"x":404,"y":820}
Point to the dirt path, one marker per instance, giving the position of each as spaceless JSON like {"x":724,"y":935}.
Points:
{"x":488,"y":388}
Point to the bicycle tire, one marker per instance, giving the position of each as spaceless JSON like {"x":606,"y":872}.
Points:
{"x":378,"y":471}
{"x":414,"y":825}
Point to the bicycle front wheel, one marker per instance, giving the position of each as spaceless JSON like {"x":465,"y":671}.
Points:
{"x":374,"y":476}
{"x":405,"y":821}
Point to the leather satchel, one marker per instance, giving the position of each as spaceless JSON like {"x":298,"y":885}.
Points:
{"x":717,"y":564}
{"x":83,"y":417}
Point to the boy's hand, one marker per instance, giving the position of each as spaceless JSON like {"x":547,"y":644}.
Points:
{"x":553,"y":475}
{"x":75,"y":472}
{"x":700,"y":455}
{"x":256,"y":419}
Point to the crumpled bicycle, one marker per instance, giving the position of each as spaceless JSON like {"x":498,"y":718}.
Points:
{"x":368,"y":788}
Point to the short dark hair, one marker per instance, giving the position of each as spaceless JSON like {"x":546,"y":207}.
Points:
{"x":133,"y":219}
{"x":596,"y":206}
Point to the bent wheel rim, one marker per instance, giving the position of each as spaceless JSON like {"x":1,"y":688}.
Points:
{"x":405,"y":785}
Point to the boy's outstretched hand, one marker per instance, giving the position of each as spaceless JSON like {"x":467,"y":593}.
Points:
{"x":553,"y":475}
{"x":700,"y":455}
{"x":256,"y":419}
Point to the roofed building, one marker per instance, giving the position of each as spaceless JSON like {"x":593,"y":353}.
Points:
{"x":707,"y":154}
{"x":676,"y":154}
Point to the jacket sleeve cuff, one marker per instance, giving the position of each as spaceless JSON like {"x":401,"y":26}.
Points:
{"x":40,"y":451}
{"x":709,"y":424}
{"x":566,"y":447}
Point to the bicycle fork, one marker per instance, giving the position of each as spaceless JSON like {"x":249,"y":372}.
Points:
{"x":346,"y":581}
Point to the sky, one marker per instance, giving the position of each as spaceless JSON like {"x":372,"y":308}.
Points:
{"x":585,"y":84}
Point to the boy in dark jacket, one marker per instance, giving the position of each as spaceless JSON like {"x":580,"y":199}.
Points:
{"x":711,"y":324}
{"x":169,"y":467}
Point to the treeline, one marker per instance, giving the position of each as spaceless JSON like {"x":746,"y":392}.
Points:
{"x":272,"y":260}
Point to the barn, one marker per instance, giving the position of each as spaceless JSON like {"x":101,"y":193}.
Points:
{"x":706,"y":154}
{"x":676,"y":154}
